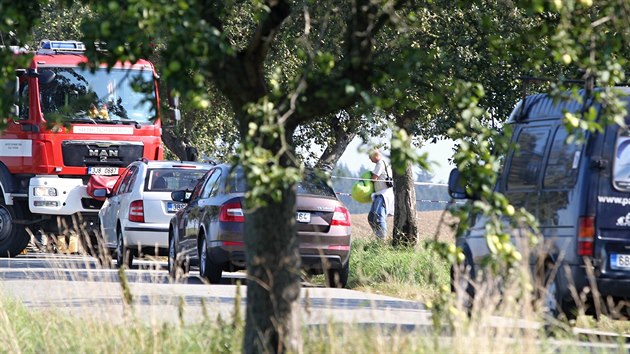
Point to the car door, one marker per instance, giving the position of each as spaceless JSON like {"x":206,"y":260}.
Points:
{"x":127,"y":196}
{"x":209,"y":204}
{"x":191,"y":218}
{"x":109,"y":211}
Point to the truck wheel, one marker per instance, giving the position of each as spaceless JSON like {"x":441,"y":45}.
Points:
{"x":13,"y":237}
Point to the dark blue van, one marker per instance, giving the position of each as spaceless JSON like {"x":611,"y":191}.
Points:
{"x":580,"y":194}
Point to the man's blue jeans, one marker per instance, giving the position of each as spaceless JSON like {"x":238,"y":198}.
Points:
{"x":378,"y":216}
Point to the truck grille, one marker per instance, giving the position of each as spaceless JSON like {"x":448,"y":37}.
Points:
{"x":84,"y":153}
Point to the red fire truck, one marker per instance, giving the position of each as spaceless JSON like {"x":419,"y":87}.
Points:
{"x":70,"y":123}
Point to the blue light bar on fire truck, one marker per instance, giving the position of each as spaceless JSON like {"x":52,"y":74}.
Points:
{"x":47,"y":46}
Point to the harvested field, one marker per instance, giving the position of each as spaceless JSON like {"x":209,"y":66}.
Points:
{"x":429,"y":222}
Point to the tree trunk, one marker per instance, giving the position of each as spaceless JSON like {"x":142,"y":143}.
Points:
{"x":333,"y":152}
{"x":405,"y":231}
{"x":273,"y":269}
{"x":174,"y":143}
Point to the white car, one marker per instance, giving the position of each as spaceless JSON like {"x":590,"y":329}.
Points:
{"x":136,"y":214}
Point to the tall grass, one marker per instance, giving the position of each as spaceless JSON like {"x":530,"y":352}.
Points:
{"x":411,"y":272}
{"x":414,"y":273}
{"x":24,"y":331}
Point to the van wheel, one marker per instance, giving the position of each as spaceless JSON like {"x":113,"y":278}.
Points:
{"x":462,"y":278}
{"x":553,"y":304}
{"x":208,"y":270}
{"x":13,"y":237}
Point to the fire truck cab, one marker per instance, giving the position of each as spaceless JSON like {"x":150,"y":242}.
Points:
{"x":69,"y":123}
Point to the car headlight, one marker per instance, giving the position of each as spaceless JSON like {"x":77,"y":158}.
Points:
{"x":45,"y":192}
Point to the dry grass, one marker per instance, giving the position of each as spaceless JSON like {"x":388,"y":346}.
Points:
{"x":430,"y":223}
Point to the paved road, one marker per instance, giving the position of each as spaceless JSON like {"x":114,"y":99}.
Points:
{"x":78,"y":285}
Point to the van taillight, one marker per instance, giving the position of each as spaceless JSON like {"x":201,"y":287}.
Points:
{"x":586,"y":235}
{"x":341,"y":217}
{"x":136,"y":211}
{"x":231,"y":212}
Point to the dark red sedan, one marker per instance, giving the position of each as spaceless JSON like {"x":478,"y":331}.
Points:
{"x":208,"y":232}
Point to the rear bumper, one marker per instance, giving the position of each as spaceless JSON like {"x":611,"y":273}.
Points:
{"x":615,"y":284}
{"x":311,"y":261}
{"x":146,"y":236}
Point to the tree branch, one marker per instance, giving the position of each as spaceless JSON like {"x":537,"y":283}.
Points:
{"x":209,"y":11}
{"x":256,"y":52}
{"x":353,"y":74}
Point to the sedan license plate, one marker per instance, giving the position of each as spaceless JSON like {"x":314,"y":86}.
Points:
{"x":174,"y":207}
{"x":620,"y":261}
{"x":303,"y":217}
{"x":103,"y":171}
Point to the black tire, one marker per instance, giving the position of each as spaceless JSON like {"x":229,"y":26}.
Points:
{"x":462,"y":283}
{"x":124,"y":256}
{"x":176,"y":266}
{"x":208,"y":270}
{"x":554,"y":305}
{"x":338,"y":278}
{"x":13,"y":237}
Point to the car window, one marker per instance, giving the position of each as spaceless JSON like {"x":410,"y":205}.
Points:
{"x":132,"y":180}
{"x":199,"y":187}
{"x":621,"y":165}
{"x":526,"y":163}
{"x":122,"y":188}
{"x":211,"y":187}
{"x":235,"y":181}
{"x":315,"y":184}
{"x":119,"y":181}
{"x":172,"y":179}
{"x":563,"y":161}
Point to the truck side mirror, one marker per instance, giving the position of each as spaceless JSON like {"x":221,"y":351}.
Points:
{"x":456,"y":185}
{"x":15,"y":111}
{"x":176,"y":115}
{"x":15,"y":87}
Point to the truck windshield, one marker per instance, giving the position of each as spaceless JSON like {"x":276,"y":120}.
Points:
{"x":120,"y":95}
{"x":621,"y":167}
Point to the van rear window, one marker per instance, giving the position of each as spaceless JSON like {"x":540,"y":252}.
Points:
{"x":621,"y":166}
{"x":563,"y":162}
{"x":526,"y":164}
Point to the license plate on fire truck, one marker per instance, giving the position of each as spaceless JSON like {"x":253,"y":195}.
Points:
{"x":103,"y":171}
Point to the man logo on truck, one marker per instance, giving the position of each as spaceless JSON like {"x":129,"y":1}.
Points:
{"x":103,"y":154}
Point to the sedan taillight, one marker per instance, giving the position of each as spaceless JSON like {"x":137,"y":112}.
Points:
{"x":231,"y":212}
{"x":136,"y":211}
{"x":341,"y":217}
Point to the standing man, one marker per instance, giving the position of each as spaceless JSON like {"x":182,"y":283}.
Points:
{"x":383,"y":197}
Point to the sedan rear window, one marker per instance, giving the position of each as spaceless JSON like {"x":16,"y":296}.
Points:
{"x":172,"y":179}
{"x":313,"y":184}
